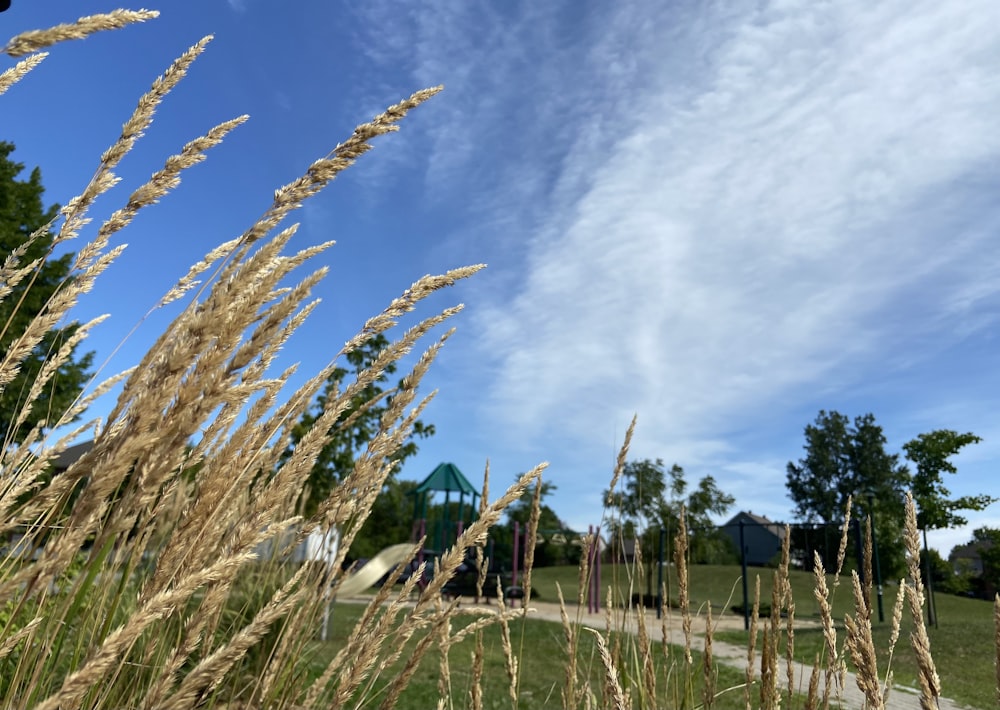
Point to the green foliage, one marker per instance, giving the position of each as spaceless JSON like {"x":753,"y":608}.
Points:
{"x":390,"y":522}
{"x":986,"y":541}
{"x":22,"y":214}
{"x":551,"y":549}
{"x":355,"y":427}
{"x":644,"y":508}
{"x":520,"y":510}
{"x":844,"y":459}
{"x":942,"y":574}
{"x":930,"y":453}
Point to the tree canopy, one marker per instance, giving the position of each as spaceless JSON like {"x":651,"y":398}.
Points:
{"x":22,"y":215}
{"x":931,"y":454}
{"x":354,"y":428}
{"x":844,"y":459}
{"x":652,"y":497}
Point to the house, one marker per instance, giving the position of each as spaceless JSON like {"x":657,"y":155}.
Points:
{"x":762,"y":538}
{"x":966,"y":559}
{"x":15,"y":543}
{"x":69,"y":456}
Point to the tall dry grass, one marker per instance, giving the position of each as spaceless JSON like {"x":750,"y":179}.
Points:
{"x":150,"y":588}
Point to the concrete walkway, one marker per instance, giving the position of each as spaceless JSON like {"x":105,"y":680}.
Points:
{"x":736,"y":656}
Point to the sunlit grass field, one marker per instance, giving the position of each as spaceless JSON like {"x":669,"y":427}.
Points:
{"x":965,"y":626}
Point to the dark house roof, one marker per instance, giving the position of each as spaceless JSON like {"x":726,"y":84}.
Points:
{"x":971,"y":551}
{"x":70,"y":455}
{"x":749,"y":518}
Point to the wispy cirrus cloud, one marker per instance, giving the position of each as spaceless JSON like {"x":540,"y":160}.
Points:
{"x":704,"y":212}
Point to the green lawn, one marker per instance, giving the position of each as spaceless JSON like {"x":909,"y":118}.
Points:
{"x":543,"y":661}
{"x":962,"y":645}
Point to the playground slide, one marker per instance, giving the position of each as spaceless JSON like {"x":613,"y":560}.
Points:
{"x":375,"y":569}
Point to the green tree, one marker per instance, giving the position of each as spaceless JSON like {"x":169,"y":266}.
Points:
{"x":986,"y":541}
{"x":651,"y":499}
{"x":390,"y":522}
{"x":22,"y":214}
{"x":550,"y":550}
{"x":708,"y":544}
{"x":931,"y":454}
{"x":520,"y":510}
{"x":844,"y":459}
{"x":355,"y":427}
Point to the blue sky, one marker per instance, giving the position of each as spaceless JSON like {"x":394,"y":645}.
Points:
{"x":723,"y":217}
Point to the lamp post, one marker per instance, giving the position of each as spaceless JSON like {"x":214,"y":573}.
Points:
{"x":878,"y":570}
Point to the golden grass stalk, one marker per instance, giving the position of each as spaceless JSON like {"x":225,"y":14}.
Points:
{"x":897,"y":618}
{"x":861,"y":646}
{"x":200,"y":379}
{"x":665,"y":622}
{"x":90,"y":261}
{"x":996,"y":641}
{"x":583,"y":576}
{"x":868,"y":577}
{"x":17,"y":72}
{"x":613,"y":686}
{"x":402,"y":679}
{"x":620,"y":462}
{"x":510,"y":662}
{"x":812,"y":693}
{"x":370,"y":634}
{"x":648,"y":667}
{"x":482,"y":564}
{"x":531,"y":539}
{"x":822,"y":594}
{"x":132,"y":130}
{"x":11,"y":641}
{"x":568,"y":692}
{"x":444,"y":664}
{"x":927,"y":676}
{"x":322,"y":171}
{"x":788,"y":603}
{"x":165,"y":179}
{"x":683,"y":600}
{"x":750,"y":673}
{"x":473,"y":535}
{"x":842,"y":550}
{"x":476,"y":683}
{"x":207,"y":675}
{"x":709,"y":676}
{"x":34,"y":40}
{"x":107,"y":655}
{"x":476,"y":534}
{"x":770,"y":695}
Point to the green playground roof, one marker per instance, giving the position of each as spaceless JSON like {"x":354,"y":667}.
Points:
{"x":446,"y":477}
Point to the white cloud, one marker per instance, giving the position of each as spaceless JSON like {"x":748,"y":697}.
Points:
{"x":749,"y":239}
{"x":696,"y":213}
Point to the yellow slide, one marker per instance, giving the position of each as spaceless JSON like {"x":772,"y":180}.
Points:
{"x":376,"y":568}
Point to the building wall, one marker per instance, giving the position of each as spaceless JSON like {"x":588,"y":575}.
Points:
{"x":762,"y":543}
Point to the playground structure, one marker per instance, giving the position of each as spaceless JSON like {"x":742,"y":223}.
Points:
{"x":441,"y":523}
{"x":442,"y":531}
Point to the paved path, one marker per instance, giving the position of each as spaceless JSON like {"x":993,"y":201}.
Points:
{"x":900,"y":698}
{"x":736,"y":656}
